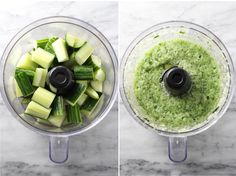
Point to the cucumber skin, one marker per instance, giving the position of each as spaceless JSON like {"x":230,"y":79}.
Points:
{"x":73,"y":114}
{"x":49,"y":47}
{"x":29,"y":73}
{"x":88,"y":107}
{"x":83,"y":73}
{"x":24,"y":84}
{"x":41,"y":43}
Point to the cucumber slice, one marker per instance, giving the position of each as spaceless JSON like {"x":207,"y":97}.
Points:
{"x":73,"y":96}
{"x":57,"y":115}
{"x":73,"y":41}
{"x":42,"y":57}
{"x":83,"y":54}
{"x":82,"y":99}
{"x":97,"y":85}
{"x":73,"y":114}
{"x":36,"y":110}
{"x":43,"y":97}
{"x":100,"y":75}
{"x":49,"y":47}
{"x":92,"y":93}
{"x":17,"y":89}
{"x":29,"y":73}
{"x":59,"y":47}
{"x":26,"y":62}
{"x":94,"y":61}
{"x":40,"y":77}
{"x":40,"y":43}
{"x":88,"y":107}
{"x":24,"y":84}
{"x":83,"y":72}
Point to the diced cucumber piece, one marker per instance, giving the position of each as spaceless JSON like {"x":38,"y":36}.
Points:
{"x":40,"y":77}
{"x":40,"y":43}
{"x":73,"y":114}
{"x":17,"y":89}
{"x":73,"y":96}
{"x":59,"y":47}
{"x":29,"y":73}
{"x":88,"y":107}
{"x":92,"y":93}
{"x":26,"y":62}
{"x":49,"y":47}
{"x":84,"y":82}
{"x":83,"y":72}
{"x":82,"y":99}
{"x":42,"y":57}
{"x":24,"y":83}
{"x":36,"y":110}
{"x":43,"y":97}
{"x":100,"y":75}
{"x":94,"y":61}
{"x":74,"y":41}
{"x":83,"y":54}
{"x":97,"y":85}
{"x":57,"y":115}
{"x":26,"y":100}
{"x":43,"y":121}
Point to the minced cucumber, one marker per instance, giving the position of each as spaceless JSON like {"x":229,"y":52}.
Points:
{"x":97,"y":85}
{"x":26,"y":62}
{"x":83,"y":54}
{"x":36,"y":110}
{"x":59,"y":47}
{"x":40,"y":77}
{"x":100,"y":75}
{"x":92,"y":93}
{"x":42,"y":57}
{"x":74,"y":41}
{"x":43,"y":97}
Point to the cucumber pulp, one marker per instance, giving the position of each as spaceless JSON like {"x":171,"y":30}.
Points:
{"x":42,"y":57}
{"x":92,"y":93}
{"x":43,"y":97}
{"x":73,"y":41}
{"x":36,"y":110}
{"x":73,"y":114}
{"x":40,"y":77}
{"x":24,"y":84}
{"x":26,"y":62}
{"x":59,"y":47}
{"x":83,"y":72}
{"x":83,"y":54}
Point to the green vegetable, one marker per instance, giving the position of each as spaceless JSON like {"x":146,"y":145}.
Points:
{"x":59,"y":47}
{"x":100,"y":75}
{"x":40,"y":77}
{"x":24,"y":83}
{"x":42,"y":57}
{"x":40,"y":43}
{"x":83,"y":54}
{"x":49,"y":47}
{"x":82,"y":99}
{"x":17,"y":89}
{"x":94,"y":61}
{"x":43,"y":121}
{"x":36,"y":110}
{"x":29,"y":73}
{"x":97,"y":85}
{"x":92,"y":93}
{"x":43,"y":97}
{"x":83,"y":72}
{"x":73,"y":41}
{"x":73,"y":114}
{"x":88,"y":107}
{"x":26,"y":62}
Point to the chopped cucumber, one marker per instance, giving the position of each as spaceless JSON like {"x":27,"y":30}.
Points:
{"x":88,"y":107}
{"x":92,"y":93}
{"x":100,"y":75}
{"x":83,"y":72}
{"x":73,"y":41}
{"x":36,"y":110}
{"x":40,"y":43}
{"x":43,"y":97}
{"x":73,"y":114}
{"x":42,"y":57}
{"x":94,"y":61}
{"x":82,"y":99}
{"x":43,"y":121}
{"x":26,"y":100}
{"x":59,"y":47}
{"x":40,"y":77}
{"x":17,"y":89}
{"x":83,"y":54}
{"x":84,"y":82}
{"x":26,"y":62}
{"x":57,"y":115}
{"x":49,"y":47}
{"x":24,"y":83}
{"x":73,"y":96}
{"x":97,"y":85}
{"x":29,"y":73}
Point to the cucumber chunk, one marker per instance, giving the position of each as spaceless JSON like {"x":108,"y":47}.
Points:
{"x":57,"y":115}
{"x":84,"y":82}
{"x":83,"y":54}
{"x":49,"y":47}
{"x":94,"y":61}
{"x":83,"y":72}
{"x":24,"y":83}
{"x":59,"y":47}
{"x":97,"y":85}
{"x":88,"y":107}
{"x":74,"y":41}
{"x":40,"y":43}
{"x":82,"y":99}
{"x":43,"y":122}
{"x":73,"y":96}
{"x":100,"y":75}
{"x":92,"y":93}
{"x":29,"y":73}
{"x":26,"y":62}
{"x":40,"y":77}
{"x":43,"y":97}
{"x":42,"y":57}
{"x":17,"y":89}
{"x":36,"y":110}
{"x":73,"y":114}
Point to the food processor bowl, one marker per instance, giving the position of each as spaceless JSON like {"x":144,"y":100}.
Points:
{"x":22,"y":42}
{"x":163,"y":32}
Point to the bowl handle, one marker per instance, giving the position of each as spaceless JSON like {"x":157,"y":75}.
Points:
{"x":177,"y":148}
{"x":58,"y":149}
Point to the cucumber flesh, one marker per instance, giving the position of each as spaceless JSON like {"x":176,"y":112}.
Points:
{"x":94,"y":61}
{"x":83,"y":72}
{"x":24,"y":83}
{"x":73,"y":114}
{"x":17,"y":89}
{"x":88,"y":107}
{"x":36,"y":110}
{"x":40,"y":77}
{"x":43,"y":97}
{"x":83,"y":54}
{"x":40,"y":43}
{"x":59,"y":47}
{"x":42,"y":57}
{"x":74,"y":41}
{"x":26,"y":62}
{"x":100,"y":75}
{"x":92,"y":93}
{"x":97,"y":85}
{"x":82,"y":99}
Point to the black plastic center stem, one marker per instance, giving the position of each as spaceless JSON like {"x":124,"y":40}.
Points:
{"x":61,"y":78}
{"x":177,"y":81}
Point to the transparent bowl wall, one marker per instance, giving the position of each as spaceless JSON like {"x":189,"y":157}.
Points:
{"x":58,"y":26}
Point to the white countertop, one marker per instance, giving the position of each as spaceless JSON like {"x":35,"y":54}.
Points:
{"x":213,"y":152}
{"x":24,"y":152}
